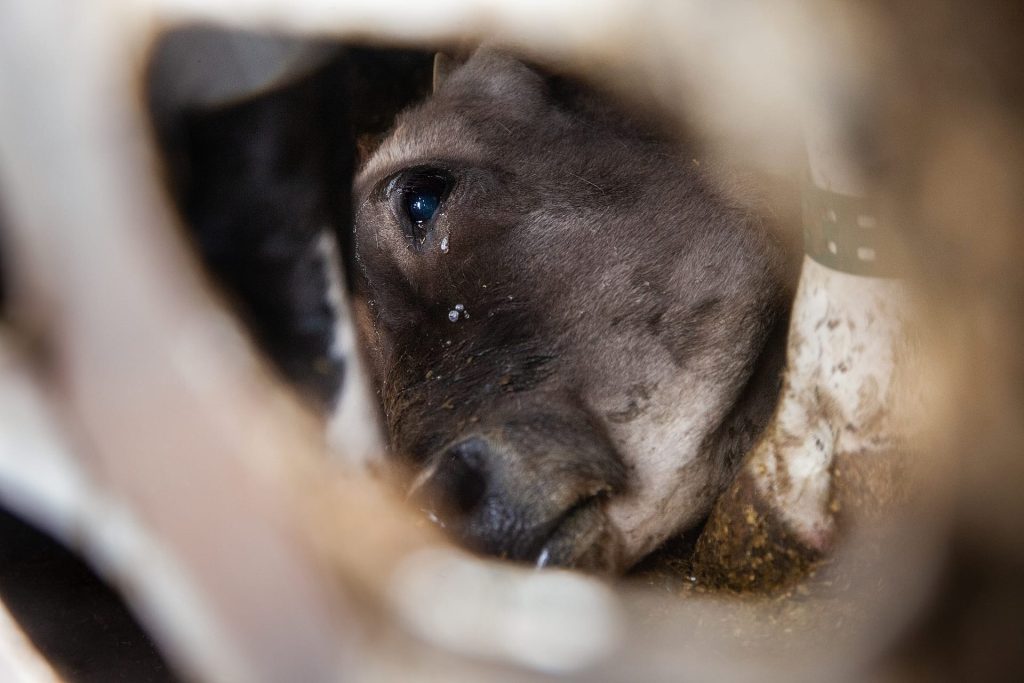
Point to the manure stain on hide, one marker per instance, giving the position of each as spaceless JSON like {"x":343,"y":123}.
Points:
{"x":654,"y":321}
{"x":638,"y":400}
{"x":631,"y":412}
{"x":683,"y":337}
{"x":871,"y":413}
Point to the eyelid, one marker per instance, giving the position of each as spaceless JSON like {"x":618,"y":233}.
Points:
{"x":386,"y":186}
{"x":398,"y":186}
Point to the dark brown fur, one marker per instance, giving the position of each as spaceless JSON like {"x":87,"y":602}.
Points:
{"x":599,"y":394}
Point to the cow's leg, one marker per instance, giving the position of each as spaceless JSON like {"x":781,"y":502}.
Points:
{"x":836,"y":438}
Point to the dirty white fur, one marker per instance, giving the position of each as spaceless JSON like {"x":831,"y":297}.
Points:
{"x":352,"y":430}
{"x":845,"y":342}
{"x":671,"y":484}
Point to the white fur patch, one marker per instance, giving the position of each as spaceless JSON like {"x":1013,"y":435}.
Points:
{"x":353,"y":432}
{"x":671,"y":485}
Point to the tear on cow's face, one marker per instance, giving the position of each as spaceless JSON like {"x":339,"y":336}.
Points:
{"x":563,"y":316}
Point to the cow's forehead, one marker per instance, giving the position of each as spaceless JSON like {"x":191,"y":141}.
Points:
{"x":435,"y":131}
{"x":489,"y":91}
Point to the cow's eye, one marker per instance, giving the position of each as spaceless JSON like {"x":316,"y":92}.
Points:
{"x":421,"y":204}
{"x":423,"y":190}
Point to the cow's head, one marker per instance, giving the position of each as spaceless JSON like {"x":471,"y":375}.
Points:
{"x":566,"y":319}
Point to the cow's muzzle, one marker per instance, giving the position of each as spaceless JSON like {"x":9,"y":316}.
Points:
{"x":502,"y":500}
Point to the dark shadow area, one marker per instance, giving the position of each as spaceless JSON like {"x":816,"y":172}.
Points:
{"x":3,"y":257}
{"x":261,"y":137}
{"x":972,"y":632}
{"x":75,"y":619}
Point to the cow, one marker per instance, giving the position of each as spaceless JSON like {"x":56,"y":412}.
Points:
{"x":575,"y":332}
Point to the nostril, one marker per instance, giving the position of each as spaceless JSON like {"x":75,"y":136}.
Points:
{"x":463,"y":470}
{"x":457,"y":482}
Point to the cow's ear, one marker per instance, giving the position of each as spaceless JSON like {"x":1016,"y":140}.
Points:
{"x":444,"y":64}
{"x":516,"y":89}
